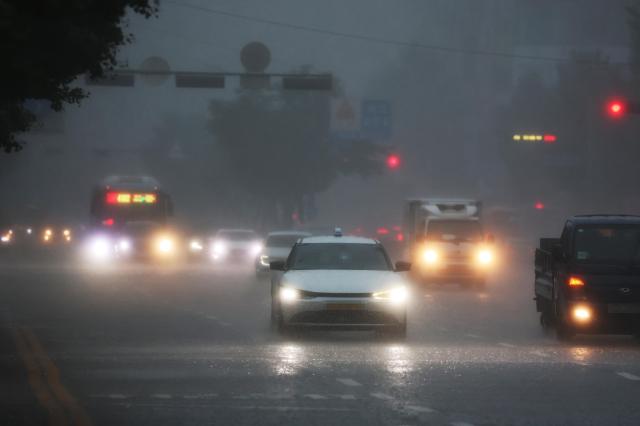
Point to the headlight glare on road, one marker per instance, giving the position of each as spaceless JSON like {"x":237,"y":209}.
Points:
{"x":289,"y":295}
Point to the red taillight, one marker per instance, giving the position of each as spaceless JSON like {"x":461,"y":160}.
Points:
{"x":108,"y":222}
{"x":400,"y":237}
{"x":382,"y":231}
{"x":575,"y":282}
{"x":112,"y":198}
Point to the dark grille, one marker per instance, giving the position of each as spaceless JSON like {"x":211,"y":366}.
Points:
{"x":344,"y":317}
{"x":313,"y":294}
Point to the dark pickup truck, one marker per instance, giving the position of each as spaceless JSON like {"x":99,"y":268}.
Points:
{"x":588,"y":280}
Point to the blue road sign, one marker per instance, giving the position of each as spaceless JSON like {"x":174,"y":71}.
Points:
{"x":376,"y":119}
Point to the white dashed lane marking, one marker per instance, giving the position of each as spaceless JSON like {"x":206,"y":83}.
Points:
{"x":161,"y":396}
{"x":349,"y":382}
{"x":380,"y":395}
{"x":506,"y":345}
{"x":419,"y":409}
{"x":315,"y":396}
{"x":628,"y":376}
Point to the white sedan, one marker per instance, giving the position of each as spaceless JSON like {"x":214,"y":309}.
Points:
{"x":343,"y":282}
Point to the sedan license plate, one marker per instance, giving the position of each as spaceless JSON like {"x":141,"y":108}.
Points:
{"x":345,"y":306}
{"x":623,"y":308}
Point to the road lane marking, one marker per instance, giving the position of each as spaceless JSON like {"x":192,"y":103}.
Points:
{"x":161,"y":396}
{"x":347,"y":397}
{"x":52,"y":374}
{"x":116,"y":396}
{"x":628,"y":376}
{"x":289,"y":408}
{"x":473,"y":336}
{"x":315,"y":396}
{"x":55,"y":413}
{"x":506,"y":345}
{"x":349,"y":382}
{"x":201,"y":396}
{"x":419,"y":409}
{"x":539,"y":353}
{"x":381,"y":395}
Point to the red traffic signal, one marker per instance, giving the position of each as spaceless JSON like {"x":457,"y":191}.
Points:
{"x":393,"y":161}
{"x":616,"y":108}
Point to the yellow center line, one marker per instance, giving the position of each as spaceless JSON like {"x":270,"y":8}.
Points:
{"x":52,"y":374}
{"x":55,"y":413}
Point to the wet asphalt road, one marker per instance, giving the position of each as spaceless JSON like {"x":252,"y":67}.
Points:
{"x":147,"y":345}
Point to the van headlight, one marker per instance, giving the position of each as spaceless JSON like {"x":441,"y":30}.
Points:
{"x":289,"y":295}
{"x":396,"y":296}
{"x":430,"y":256}
{"x":484,"y":257}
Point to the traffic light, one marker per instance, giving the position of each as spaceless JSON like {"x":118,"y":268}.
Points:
{"x":393,"y":161}
{"x":617,"y":108}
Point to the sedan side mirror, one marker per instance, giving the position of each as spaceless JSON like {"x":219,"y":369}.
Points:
{"x":403,"y":266}
{"x":277,"y":265}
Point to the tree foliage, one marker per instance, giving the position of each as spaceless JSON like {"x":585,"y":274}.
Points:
{"x":278,"y":146}
{"x":46,"y":44}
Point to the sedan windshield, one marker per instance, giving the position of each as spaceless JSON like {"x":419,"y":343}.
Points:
{"x":339,"y":257}
{"x":607,"y":244}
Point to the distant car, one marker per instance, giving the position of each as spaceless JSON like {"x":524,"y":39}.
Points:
{"x":277,"y":246}
{"x":236,"y":245}
{"x":339,"y":281}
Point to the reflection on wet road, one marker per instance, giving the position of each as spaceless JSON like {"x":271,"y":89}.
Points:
{"x":192,"y":346}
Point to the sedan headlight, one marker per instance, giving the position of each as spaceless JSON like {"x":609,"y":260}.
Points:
{"x":124,"y":245}
{"x":196,"y":246}
{"x":255,"y":249}
{"x":289,"y":295}
{"x":397,"y":295}
{"x":219,"y":247}
{"x":484,"y":257}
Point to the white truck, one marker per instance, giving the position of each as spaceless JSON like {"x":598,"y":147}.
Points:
{"x":447,"y":242}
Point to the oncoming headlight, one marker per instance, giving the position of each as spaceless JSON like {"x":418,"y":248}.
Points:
{"x":99,"y":248}
{"x":484,"y":257}
{"x":397,"y":295}
{"x":165,"y":245}
{"x":196,"y":245}
{"x":289,"y":295}
{"x":255,"y":249}
{"x":430,"y":256}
